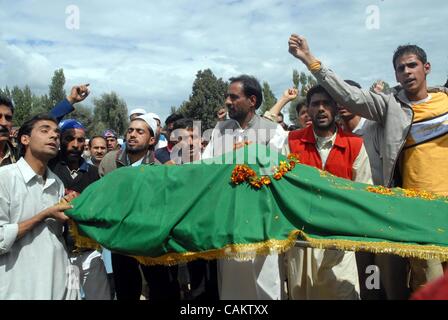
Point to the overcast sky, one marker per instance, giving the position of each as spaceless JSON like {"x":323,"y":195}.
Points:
{"x":149,"y":51}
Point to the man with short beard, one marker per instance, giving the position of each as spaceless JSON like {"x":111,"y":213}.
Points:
{"x":77,"y":174}
{"x":412,"y":121}
{"x":128,"y":281}
{"x":7,"y":150}
{"x":328,"y":274}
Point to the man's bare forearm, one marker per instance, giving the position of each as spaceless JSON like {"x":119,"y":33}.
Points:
{"x":28,"y":225}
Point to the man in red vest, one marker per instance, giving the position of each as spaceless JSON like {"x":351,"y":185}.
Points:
{"x":316,"y":273}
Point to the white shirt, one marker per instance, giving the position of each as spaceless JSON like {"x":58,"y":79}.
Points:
{"x":238,"y":135}
{"x":37,"y":265}
{"x":259,"y":278}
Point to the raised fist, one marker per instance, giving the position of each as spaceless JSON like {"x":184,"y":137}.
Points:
{"x":78,"y":93}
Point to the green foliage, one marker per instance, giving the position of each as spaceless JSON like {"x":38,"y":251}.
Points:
{"x":304,"y":82}
{"x":207,"y":97}
{"x":269,"y":99}
{"x":110,"y":112}
{"x":56,"y":88}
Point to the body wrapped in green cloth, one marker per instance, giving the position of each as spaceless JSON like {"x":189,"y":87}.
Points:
{"x":174,"y":214}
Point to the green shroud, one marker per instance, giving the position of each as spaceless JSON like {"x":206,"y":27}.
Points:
{"x":173,"y":214}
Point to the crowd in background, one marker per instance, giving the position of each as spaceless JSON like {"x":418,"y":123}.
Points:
{"x":340,"y":128}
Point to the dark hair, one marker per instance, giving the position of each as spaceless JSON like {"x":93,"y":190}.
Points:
{"x":446,"y":84}
{"x":95,"y":137}
{"x":251,"y":87}
{"x":301,"y":102}
{"x":314,"y":90}
{"x":353,"y":83}
{"x":4,"y":101}
{"x":409,"y":49}
{"x":184,"y":123}
{"x":173,"y":118}
{"x":28,"y":126}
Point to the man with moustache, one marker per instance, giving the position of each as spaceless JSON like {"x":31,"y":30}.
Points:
{"x":98,"y":149}
{"x":259,"y":278}
{"x":198,"y":279}
{"x":412,"y":121}
{"x":8,"y":154}
{"x":162,"y":280}
{"x":77,"y":174}
{"x":317,"y":273}
{"x":34,"y":264}
{"x":7,"y":151}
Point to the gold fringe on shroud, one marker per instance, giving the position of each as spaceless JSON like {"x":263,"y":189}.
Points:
{"x":81,"y":241}
{"x":251,"y":250}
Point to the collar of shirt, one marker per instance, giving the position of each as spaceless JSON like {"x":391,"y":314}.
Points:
{"x":414,"y":103}
{"x":136,"y":163}
{"x":28,"y":173}
{"x":83,"y":167}
{"x":359,"y":126}
{"x":325,"y":142}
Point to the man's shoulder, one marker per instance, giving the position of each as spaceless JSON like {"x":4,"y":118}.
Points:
{"x":51,"y":174}
{"x":108,"y":163}
{"x":111,"y":155}
{"x":265,"y":123}
{"x":226,"y":124}
{"x":297,"y":134}
{"x":8,"y":170}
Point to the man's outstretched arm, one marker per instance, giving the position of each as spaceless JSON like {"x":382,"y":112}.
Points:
{"x":64,"y":107}
{"x":288,"y":96}
{"x":364,"y":103}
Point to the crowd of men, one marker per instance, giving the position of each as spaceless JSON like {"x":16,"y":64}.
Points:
{"x":393,"y":138}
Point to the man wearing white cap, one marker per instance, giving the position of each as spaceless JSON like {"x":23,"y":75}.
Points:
{"x":139,"y":146}
{"x":136,"y":112}
{"x":139,"y":151}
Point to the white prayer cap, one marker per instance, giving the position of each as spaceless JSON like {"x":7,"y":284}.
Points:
{"x":155,"y":116}
{"x":138,"y":111}
{"x":152,"y":123}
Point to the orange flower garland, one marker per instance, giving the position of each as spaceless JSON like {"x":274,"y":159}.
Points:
{"x":243,"y":173}
{"x":380,"y":190}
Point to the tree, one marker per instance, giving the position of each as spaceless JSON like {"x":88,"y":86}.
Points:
{"x":56,"y":88}
{"x":5,"y":93}
{"x":173,"y":109}
{"x":206,"y":98}
{"x":304,"y":82}
{"x":269,"y":99}
{"x":23,"y":104}
{"x":110,"y":112}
